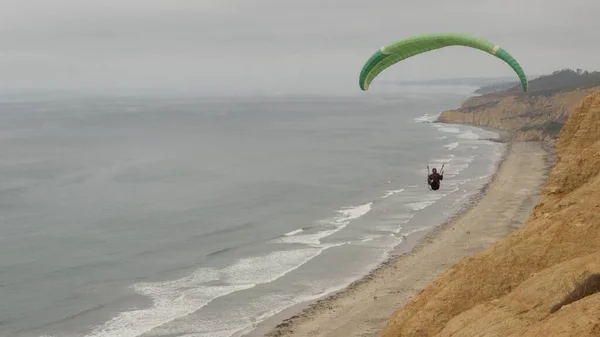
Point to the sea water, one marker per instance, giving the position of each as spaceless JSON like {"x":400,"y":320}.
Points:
{"x":203,"y":216}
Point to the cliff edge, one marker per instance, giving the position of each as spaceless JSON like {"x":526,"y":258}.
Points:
{"x":543,"y":279}
{"x":536,"y":115}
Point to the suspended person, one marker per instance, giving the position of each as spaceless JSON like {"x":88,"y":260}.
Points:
{"x":434,"y":179}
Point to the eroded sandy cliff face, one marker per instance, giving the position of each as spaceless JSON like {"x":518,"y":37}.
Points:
{"x":514,"y":287}
{"x":535,"y":116}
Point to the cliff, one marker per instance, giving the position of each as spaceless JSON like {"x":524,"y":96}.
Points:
{"x":543,"y":279}
{"x":535,"y":116}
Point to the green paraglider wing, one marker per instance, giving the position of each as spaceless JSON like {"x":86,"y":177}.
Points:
{"x":400,"y":50}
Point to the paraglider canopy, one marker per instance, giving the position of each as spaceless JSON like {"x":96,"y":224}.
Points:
{"x":397,"y":51}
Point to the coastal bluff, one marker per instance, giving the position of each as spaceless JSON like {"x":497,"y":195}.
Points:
{"x":536,"y":115}
{"x":527,"y":117}
{"x":544,"y":278}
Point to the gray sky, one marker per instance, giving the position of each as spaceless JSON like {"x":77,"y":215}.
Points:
{"x":277,"y":46}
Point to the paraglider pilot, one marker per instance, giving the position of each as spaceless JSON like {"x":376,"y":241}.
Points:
{"x":434,"y":179}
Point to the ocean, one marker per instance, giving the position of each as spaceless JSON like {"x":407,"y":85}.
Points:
{"x":128,"y":216}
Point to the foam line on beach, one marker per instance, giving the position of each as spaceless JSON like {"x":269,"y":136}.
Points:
{"x":238,"y":322}
{"x":468,"y":135}
{"x":426,"y":118}
{"x":452,"y":146}
{"x":389,"y":193}
{"x":178,"y":298}
{"x":294,"y":232}
{"x":334,"y":225}
{"x":420,"y":205}
{"x":448,"y":129}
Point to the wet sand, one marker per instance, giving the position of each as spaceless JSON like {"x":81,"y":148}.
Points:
{"x":364,"y":307}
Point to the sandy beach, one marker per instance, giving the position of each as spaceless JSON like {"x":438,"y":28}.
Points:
{"x":363,"y":308}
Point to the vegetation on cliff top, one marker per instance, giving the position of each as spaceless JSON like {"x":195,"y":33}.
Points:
{"x":547,"y":84}
{"x":495,"y":87}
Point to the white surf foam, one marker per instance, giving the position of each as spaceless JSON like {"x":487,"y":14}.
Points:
{"x":242,"y":320}
{"x":336,"y":224}
{"x":294,"y":232}
{"x":425,"y":201}
{"x":179,"y":298}
{"x":395,"y":222}
{"x":382,"y":243}
{"x":446,"y":160}
{"x":451,"y":146}
{"x":309,"y":238}
{"x":370,"y":238}
{"x":457,"y":165}
{"x":352,"y":213}
{"x":468,"y":135}
{"x":426,"y":118}
{"x":391,"y":192}
{"x":453,"y":165}
{"x":390,"y":228}
{"x":417,"y":206}
{"x":448,"y":129}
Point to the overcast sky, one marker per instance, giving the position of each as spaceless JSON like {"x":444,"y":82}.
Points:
{"x":277,"y":46}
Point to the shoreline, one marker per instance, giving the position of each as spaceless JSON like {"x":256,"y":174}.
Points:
{"x":271,"y":326}
{"x":503,"y":135}
{"x":348,"y":306}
